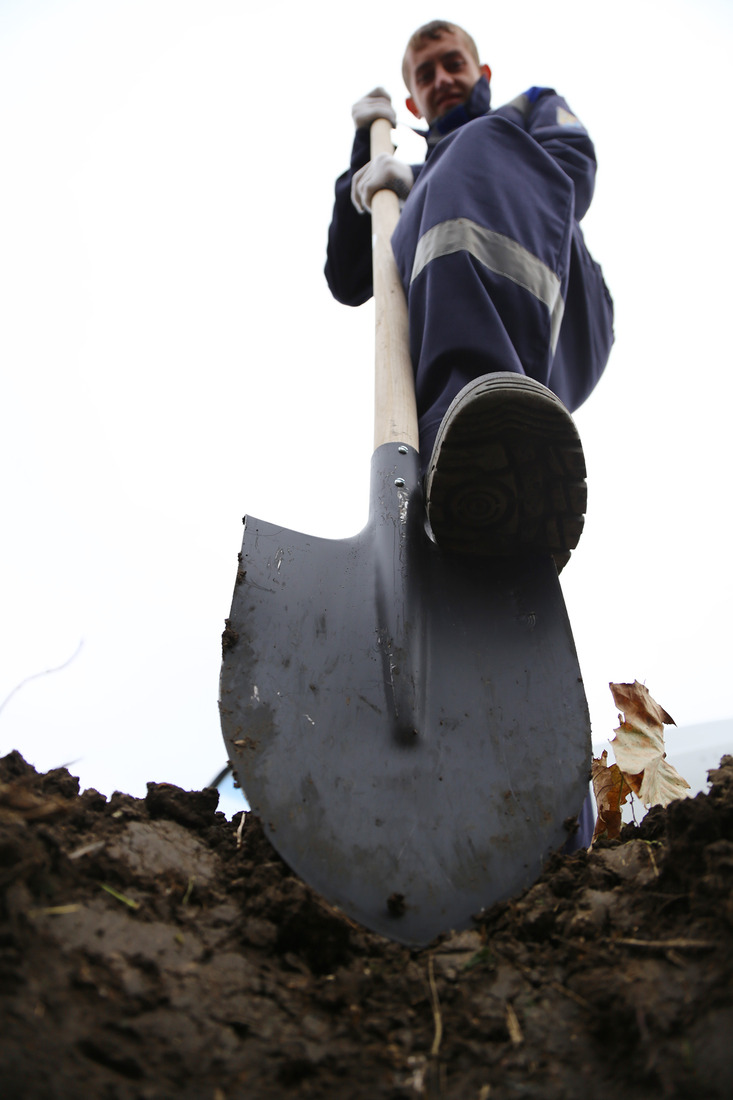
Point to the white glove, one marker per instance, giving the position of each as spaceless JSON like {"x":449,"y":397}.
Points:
{"x":385,"y":172}
{"x":375,"y":104}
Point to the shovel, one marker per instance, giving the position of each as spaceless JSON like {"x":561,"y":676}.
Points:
{"x":410,"y":728}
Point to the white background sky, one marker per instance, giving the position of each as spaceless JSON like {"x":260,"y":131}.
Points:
{"x":172,"y":359}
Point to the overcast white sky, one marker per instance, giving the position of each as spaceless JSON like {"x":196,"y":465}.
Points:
{"x":172,"y":358}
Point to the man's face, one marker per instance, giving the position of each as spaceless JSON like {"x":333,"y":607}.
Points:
{"x":442,"y":74}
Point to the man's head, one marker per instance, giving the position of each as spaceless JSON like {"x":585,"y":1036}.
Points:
{"x":440,"y":67}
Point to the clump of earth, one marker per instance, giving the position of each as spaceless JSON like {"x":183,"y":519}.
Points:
{"x":151,"y":948}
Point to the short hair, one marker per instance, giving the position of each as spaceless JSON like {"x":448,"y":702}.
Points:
{"x":433,"y":32}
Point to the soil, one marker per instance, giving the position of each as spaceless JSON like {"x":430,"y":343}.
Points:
{"x":149,"y":950}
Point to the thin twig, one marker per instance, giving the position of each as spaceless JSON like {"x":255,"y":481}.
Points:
{"x":437,"y":1018}
{"x":55,"y":910}
{"x":36,"y":675}
{"x":130,"y":902}
{"x":571,"y":994}
{"x":513,"y":1026}
{"x":653,"y":861}
{"x":666,"y":945}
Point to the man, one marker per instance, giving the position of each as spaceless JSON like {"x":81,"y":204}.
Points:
{"x":510,"y":321}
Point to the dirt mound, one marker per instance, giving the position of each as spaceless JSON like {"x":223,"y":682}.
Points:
{"x":147,"y":951}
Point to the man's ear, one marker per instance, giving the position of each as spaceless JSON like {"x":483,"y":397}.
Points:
{"x":486,"y":71}
{"x":411,"y":107}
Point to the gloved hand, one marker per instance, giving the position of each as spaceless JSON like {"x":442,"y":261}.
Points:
{"x":375,"y":104}
{"x":384,"y":172}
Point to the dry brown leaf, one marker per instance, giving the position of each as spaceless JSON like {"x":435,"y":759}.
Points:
{"x":639,"y":746}
{"x":637,"y":704}
{"x":611,"y":790}
{"x":662,"y":784}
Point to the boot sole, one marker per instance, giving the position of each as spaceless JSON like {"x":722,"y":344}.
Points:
{"x":507,"y":475}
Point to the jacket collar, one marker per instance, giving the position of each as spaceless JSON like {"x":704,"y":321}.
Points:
{"x":477,"y":104}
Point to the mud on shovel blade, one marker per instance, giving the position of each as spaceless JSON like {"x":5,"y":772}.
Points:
{"x":410,"y":728}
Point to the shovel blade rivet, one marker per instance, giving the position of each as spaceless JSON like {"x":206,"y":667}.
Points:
{"x":399,"y":482}
{"x":402,"y":449}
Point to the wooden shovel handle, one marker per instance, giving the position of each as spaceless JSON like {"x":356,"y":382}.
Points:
{"x":395,"y":411}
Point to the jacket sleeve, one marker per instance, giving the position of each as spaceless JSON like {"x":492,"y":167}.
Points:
{"x":348,"y":268}
{"x":547,"y":118}
{"x":349,"y":252}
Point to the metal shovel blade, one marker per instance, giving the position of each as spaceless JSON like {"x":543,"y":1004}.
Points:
{"x":411,"y":729}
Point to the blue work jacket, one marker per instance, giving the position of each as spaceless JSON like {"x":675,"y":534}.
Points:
{"x":586,"y":330}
